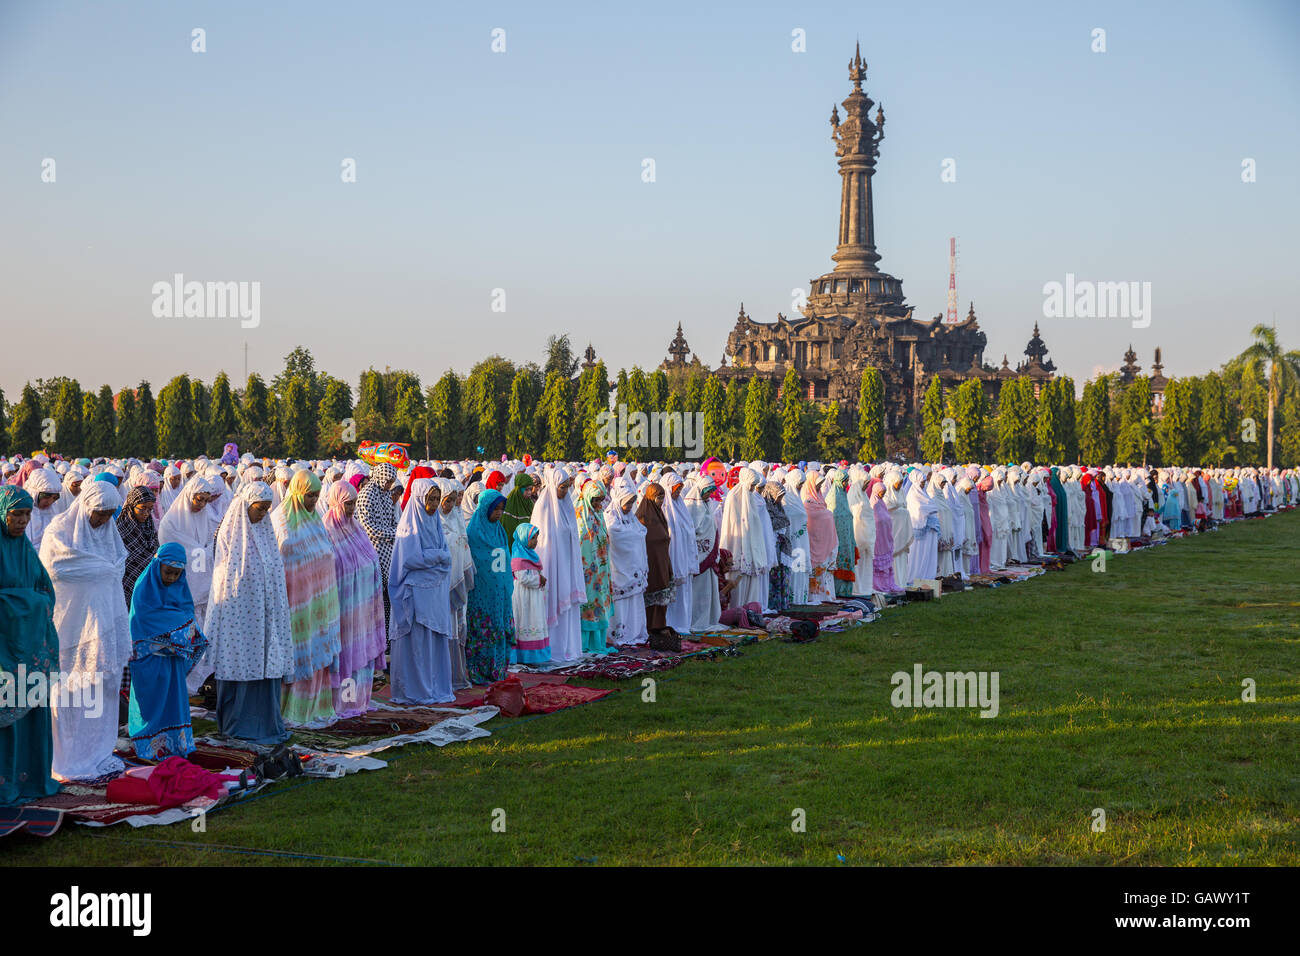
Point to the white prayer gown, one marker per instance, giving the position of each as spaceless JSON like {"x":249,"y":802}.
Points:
{"x":90,"y":615}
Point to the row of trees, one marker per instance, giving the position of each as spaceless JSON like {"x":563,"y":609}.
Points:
{"x":554,"y":411}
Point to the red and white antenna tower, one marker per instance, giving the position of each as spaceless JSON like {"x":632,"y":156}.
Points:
{"x":952,"y":279}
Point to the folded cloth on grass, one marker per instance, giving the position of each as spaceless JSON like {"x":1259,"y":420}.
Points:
{"x":171,"y":783}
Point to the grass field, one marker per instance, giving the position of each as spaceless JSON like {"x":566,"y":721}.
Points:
{"x":1119,"y":690}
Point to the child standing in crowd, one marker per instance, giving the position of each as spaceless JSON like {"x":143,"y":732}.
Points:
{"x":532,"y":644}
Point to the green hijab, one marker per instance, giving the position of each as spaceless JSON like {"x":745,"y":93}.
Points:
{"x":519,"y":509}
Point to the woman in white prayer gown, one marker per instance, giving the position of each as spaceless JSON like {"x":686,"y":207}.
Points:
{"x":86,"y":559}
{"x":924,"y":517}
{"x":797,"y":559}
{"x":1075,"y":502}
{"x":935,"y":489}
{"x":629,"y":566}
{"x":44,"y":481}
{"x":706,"y":605}
{"x":171,"y":487}
{"x":864,"y":532}
{"x":560,"y":548}
{"x":1034,"y":526}
{"x":743,"y":534}
{"x":1000,"y":519}
{"x":248,"y":624}
{"x":900,"y":523}
{"x":681,"y":552}
{"x":192,"y":522}
{"x":462,"y":574}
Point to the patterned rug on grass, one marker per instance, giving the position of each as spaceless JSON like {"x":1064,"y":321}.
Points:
{"x":547,"y":697}
{"x":89,"y":804}
{"x":406,"y":725}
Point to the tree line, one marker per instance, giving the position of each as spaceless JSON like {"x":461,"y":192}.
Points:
{"x":552,"y":411}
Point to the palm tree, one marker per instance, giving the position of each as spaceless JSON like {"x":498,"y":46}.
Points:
{"x":1283,"y":370}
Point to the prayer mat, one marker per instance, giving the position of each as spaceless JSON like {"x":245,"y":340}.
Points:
{"x":90,"y":803}
{"x":35,"y":821}
{"x":547,"y":698}
{"x":218,"y":758}
{"x":453,"y":726}
{"x":372,"y":726}
{"x":622,"y":667}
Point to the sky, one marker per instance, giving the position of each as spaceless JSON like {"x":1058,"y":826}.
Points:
{"x":522,"y":171}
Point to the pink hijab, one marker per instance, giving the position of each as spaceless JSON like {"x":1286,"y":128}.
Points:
{"x":823,"y":541}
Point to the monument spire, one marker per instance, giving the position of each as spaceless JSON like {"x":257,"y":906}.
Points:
{"x":857,"y":144}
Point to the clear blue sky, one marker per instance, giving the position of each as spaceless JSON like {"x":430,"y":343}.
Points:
{"x":522,"y":171}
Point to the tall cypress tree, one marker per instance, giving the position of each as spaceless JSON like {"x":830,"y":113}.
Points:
{"x":145,"y":440}
{"x":1069,"y":418}
{"x":970,"y":414}
{"x":755,"y":413}
{"x":4,"y":426}
{"x":693,"y":394}
{"x":832,"y":441}
{"x":871,"y":415}
{"x":25,"y":427}
{"x":1017,"y":420}
{"x":1178,"y":431}
{"x":672,"y":430}
{"x":177,"y":424}
{"x":1095,"y":445}
{"x":101,"y":429}
{"x":409,"y":420}
{"x":713,"y":404}
{"x":299,"y":423}
{"x":334,"y":438}
{"x":222,"y":424}
{"x":932,"y":414}
{"x":737,"y":393}
{"x":620,"y":387}
{"x":446,"y":416}
{"x":1136,"y":433}
{"x":1049,"y":439}
{"x":128,"y":425}
{"x":597,"y":402}
{"x":372,"y":423}
{"x":1212,"y":428}
{"x":257,"y":425}
{"x":559,"y":409}
{"x":521,"y":428}
{"x":791,"y":416}
{"x":487,"y":405}
{"x":201,"y":402}
{"x":67,"y":414}
{"x":637,"y":399}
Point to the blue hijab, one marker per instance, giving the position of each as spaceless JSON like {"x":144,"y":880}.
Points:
{"x":419,"y":589}
{"x":485,"y":536}
{"x":494,"y":582}
{"x":162,"y":613}
{"x":520,"y":551}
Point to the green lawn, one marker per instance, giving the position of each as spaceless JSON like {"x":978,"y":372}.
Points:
{"x":1119,"y":690}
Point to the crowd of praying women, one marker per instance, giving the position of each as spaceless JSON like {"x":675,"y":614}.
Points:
{"x":290,"y":589}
